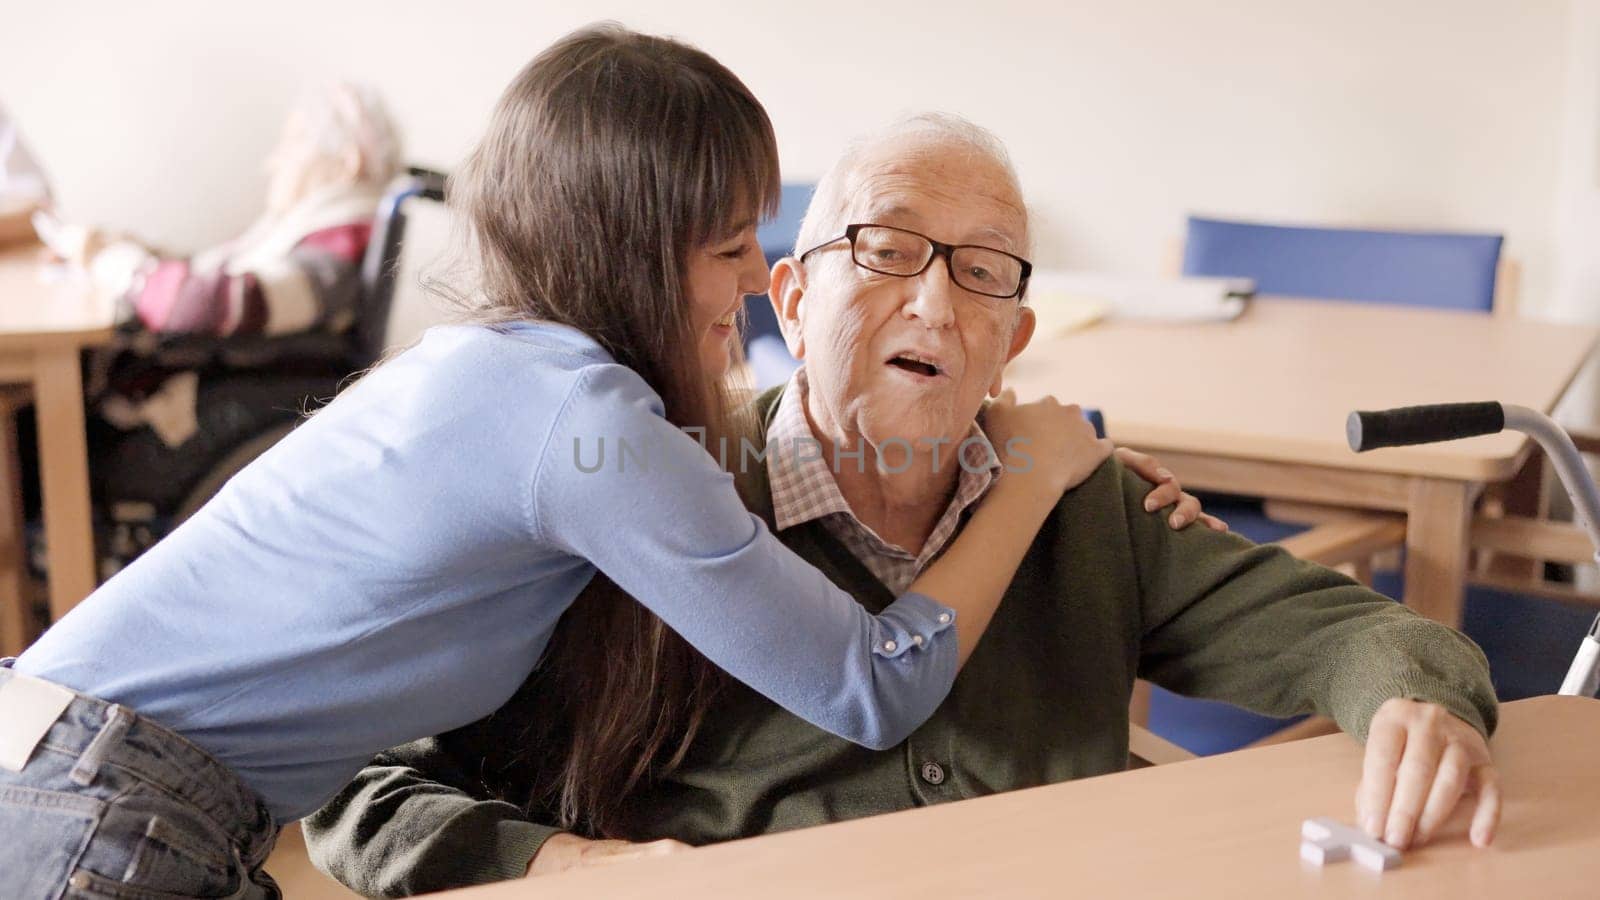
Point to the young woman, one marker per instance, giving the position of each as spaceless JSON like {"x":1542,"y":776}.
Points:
{"x":394,"y":568}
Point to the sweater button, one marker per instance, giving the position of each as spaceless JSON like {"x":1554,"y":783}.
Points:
{"x":933,"y":773}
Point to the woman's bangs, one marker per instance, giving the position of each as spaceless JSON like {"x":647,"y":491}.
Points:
{"x":740,"y":185}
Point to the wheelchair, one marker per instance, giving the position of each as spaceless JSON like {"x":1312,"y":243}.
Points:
{"x":251,"y":392}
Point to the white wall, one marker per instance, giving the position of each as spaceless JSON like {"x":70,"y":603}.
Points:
{"x":1122,"y":115}
{"x":1577,"y":205}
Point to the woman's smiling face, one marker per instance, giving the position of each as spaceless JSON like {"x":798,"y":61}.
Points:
{"x":720,"y":274}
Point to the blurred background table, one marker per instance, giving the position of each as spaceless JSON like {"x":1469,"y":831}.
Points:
{"x":47,"y":319}
{"x":1257,"y":406}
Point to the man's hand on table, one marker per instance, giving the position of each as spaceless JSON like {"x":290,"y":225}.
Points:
{"x":561,"y":852}
{"x":1421,"y":760}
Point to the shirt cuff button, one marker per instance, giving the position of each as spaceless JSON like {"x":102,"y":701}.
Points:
{"x":889,"y":646}
{"x":916,"y":639}
{"x":944,"y":618}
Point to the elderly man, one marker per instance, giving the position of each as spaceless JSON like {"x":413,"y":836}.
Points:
{"x":904,"y":303}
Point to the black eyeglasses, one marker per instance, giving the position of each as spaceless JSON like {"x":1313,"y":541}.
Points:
{"x":888,"y":250}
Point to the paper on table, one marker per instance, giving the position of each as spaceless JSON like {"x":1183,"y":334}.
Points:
{"x":1059,"y":298}
{"x":1059,"y":313}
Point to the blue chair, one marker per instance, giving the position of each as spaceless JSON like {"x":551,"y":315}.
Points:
{"x":769,"y":358}
{"x":1438,"y":270}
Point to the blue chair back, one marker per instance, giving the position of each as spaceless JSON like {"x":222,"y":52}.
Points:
{"x":777,"y":236}
{"x":763,"y":342}
{"x":777,"y":241}
{"x":1447,"y":271}
{"x":1096,"y":418}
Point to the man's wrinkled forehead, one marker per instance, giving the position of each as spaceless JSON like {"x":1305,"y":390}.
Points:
{"x":937,"y":187}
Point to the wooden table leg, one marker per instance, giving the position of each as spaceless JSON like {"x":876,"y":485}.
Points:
{"x":1524,"y":495}
{"x":17,"y":627}
{"x":64,"y":477}
{"x":1437,"y":522}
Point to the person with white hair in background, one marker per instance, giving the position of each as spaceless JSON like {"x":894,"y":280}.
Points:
{"x":297,"y":268}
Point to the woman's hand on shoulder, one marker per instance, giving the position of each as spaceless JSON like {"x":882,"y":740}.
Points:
{"x":1045,"y":441}
{"x":1167,"y":492}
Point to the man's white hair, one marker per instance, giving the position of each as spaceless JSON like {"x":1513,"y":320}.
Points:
{"x":825,"y":214}
{"x":338,"y":115}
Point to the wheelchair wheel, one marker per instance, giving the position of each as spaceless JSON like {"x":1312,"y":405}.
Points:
{"x":227,"y":467}
{"x":145,"y":488}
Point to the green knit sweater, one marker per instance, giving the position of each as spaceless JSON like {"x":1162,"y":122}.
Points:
{"x":1107,"y":593}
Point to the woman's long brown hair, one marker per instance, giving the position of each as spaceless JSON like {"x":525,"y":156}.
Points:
{"x":609,"y":159}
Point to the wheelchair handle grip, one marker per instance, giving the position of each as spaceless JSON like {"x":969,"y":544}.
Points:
{"x":1448,"y":421}
{"x":1422,"y":424}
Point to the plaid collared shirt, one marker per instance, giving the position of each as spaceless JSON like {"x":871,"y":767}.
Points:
{"x":804,"y":488}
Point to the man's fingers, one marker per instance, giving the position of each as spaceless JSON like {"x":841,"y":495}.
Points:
{"x":1386,"y":743}
{"x":606,"y":852}
{"x":566,"y":851}
{"x":1420,"y":761}
{"x":1449,"y":783}
{"x":1486,"y":819}
{"x":622,"y":851}
{"x":1212,"y":522}
{"x":1411,"y":785}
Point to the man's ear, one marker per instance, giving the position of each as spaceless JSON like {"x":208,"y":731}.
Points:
{"x":1019,"y":342}
{"x":787,"y":292}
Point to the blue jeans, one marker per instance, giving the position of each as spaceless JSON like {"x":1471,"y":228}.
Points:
{"x":112,"y":805}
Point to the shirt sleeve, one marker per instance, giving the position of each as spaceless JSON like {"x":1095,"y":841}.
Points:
{"x":621,"y":487}
{"x":1249,"y":624}
{"x":415,"y":821}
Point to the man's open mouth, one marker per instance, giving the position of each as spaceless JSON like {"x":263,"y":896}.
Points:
{"x":916,"y":364}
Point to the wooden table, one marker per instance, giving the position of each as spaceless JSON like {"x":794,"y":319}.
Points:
{"x":1257,"y":406}
{"x":1221,"y":826}
{"x":47,"y":318}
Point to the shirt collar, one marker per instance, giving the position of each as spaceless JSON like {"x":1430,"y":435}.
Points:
{"x":804,"y":487}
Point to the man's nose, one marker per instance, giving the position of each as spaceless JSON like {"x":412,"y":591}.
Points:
{"x":932,"y":300}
